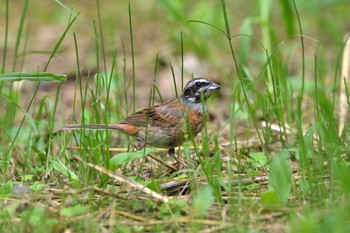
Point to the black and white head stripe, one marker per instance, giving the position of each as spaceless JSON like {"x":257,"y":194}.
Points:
{"x":195,"y":87}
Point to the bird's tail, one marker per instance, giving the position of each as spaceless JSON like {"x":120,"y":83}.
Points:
{"x":91,"y":127}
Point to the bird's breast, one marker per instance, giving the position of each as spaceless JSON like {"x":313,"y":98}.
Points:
{"x":196,"y":120}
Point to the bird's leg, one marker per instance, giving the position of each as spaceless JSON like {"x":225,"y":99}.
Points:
{"x":137,"y":162}
{"x":129,"y":145}
{"x":140,"y":145}
{"x":180,"y":161}
{"x":172,"y":152}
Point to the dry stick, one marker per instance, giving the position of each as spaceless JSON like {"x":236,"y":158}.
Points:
{"x":125,"y":150}
{"x":124,"y":179}
{"x":246,"y":181}
{"x":177,"y":220}
{"x":216,"y":228}
{"x":343,"y":106}
{"x":162,"y":162}
{"x":132,"y":216}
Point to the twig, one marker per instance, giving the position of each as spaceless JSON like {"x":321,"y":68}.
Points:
{"x":125,"y":150}
{"x":126,"y":180}
{"x":162,"y":162}
{"x":245,"y":181}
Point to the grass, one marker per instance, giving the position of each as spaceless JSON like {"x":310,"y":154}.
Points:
{"x":272,"y":162}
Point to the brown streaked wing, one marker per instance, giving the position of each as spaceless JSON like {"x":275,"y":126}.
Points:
{"x":164,"y":115}
{"x":137,"y":119}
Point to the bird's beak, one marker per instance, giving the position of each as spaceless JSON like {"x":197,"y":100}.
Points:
{"x":213,"y":86}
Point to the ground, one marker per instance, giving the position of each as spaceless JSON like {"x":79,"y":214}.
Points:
{"x":269,"y":160}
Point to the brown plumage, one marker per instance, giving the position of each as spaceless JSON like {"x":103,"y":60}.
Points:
{"x":164,"y":125}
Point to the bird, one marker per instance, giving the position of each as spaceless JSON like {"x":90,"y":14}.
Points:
{"x":165,"y":125}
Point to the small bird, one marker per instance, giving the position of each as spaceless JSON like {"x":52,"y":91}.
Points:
{"x":164,"y":125}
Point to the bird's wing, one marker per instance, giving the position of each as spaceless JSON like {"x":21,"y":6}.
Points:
{"x":168,"y":114}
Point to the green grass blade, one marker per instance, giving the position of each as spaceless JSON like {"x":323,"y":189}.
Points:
{"x":19,"y":33}
{"x":154,"y":79}
{"x":101,"y":36}
{"x":302,"y":48}
{"x":34,"y":76}
{"x":174,"y":79}
{"x":58,"y":44}
{"x":5,"y":37}
{"x":132,"y":60}
{"x":288,"y":16}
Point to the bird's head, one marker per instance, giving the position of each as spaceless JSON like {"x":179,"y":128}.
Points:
{"x":194,"y":88}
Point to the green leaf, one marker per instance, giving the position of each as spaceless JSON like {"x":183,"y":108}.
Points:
{"x":6,"y":188}
{"x":37,"y":186}
{"x":280,"y":177}
{"x":9,"y":210}
{"x":36,"y":215}
{"x":202,"y":201}
{"x":154,"y":185}
{"x":72,"y":211}
{"x":34,"y":76}
{"x":27,"y":177}
{"x":177,"y":207}
{"x":270,"y":198}
{"x":258,"y":159}
{"x":123,"y":158}
{"x":304,"y":186}
{"x":60,"y":167}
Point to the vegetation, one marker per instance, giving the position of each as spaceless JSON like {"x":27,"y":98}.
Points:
{"x":274,"y":156}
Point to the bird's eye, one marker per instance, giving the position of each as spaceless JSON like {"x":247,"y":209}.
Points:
{"x":198,"y":84}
